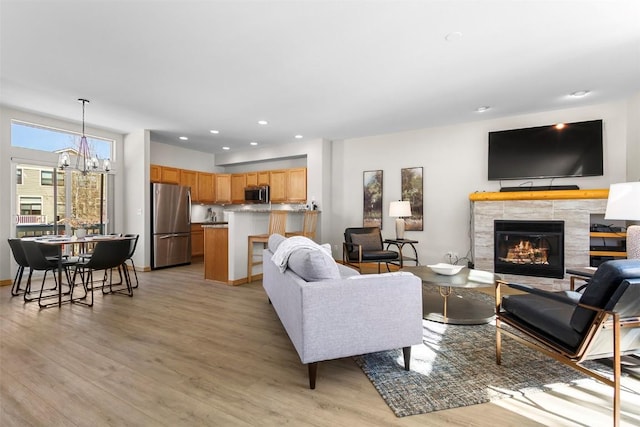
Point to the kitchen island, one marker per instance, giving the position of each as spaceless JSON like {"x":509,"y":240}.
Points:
{"x":227,"y":245}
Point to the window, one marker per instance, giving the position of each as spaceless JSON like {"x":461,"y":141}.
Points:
{"x":19,"y":176}
{"x":46,"y":177}
{"x":30,"y":205}
{"x":27,"y":135}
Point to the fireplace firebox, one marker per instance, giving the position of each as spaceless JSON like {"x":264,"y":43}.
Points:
{"x":529,"y":248}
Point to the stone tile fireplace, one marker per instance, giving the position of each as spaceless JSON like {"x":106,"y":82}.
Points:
{"x":573,"y":207}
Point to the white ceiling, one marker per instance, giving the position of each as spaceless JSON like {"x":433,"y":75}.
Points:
{"x":322,"y":69}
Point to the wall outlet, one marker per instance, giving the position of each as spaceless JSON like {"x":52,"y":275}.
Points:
{"x":452,"y":254}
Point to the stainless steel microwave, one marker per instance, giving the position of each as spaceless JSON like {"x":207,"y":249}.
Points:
{"x":256,"y":194}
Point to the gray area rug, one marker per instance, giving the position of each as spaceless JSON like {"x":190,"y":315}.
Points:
{"x":456,"y":367}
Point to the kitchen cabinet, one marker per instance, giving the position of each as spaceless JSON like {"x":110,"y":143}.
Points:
{"x":189,"y":178}
{"x":164,"y":174}
{"x":206,"y":187}
{"x":238,"y":183}
{"x":155,"y":173}
{"x":216,"y":253}
{"x":278,"y":185}
{"x":197,"y":240}
{"x":223,"y":188}
{"x":297,"y":185}
{"x":263,"y":178}
{"x":288,"y":185}
{"x":252,"y":178}
{"x":169,"y":175}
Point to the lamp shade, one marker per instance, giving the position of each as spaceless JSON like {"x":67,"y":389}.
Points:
{"x":400,"y":209}
{"x":623,"y":202}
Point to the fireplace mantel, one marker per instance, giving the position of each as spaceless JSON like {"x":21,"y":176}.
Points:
{"x":574,"y":207}
{"x":539,"y":195}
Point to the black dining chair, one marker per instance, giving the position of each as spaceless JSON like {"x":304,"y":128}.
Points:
{"x":21,"y":260}
{"x":132,"y":249}
{"x":107,"y":255}
{"x":38,"y":261}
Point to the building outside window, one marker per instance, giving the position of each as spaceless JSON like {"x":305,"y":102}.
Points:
{"x":74,"y":200}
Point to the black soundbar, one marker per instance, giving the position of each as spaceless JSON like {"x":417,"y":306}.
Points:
{"x":540,"y":188}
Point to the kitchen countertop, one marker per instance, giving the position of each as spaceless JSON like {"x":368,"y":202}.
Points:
{"x":213,"y":224}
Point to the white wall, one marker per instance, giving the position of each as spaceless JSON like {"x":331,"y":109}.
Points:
{"x":137,"y":194}
{"x":182,"y":158}
{"x":633,"y":149}
{"x":454,"y":159}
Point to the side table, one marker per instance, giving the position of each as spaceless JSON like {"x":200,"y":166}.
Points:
{"x":400,"y":243}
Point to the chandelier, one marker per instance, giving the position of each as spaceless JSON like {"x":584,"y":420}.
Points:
{"x":85,"y":161}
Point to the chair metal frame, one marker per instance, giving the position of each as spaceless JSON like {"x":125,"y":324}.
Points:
{"x":605,"y":337}
{"x":107,"y":255}
{"x":39,"y":261}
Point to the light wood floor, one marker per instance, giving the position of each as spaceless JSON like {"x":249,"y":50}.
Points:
{"x":184,"y":351}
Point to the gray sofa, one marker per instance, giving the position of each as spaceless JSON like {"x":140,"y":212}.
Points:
{"x":330,"y":311}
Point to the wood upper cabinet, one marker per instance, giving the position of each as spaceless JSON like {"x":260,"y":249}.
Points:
{"x":263,"y":178}
{"x":206,"y":187}
{"x":155,"y":173}
{"x":169,"y":175}
{"x":278,"y":185}
{"x":288,"y":185}
{"x":190,"y":179}
{"x":252,"y":178}
{"x":223,"y":188}
{"x":238,"y":183}
{"x":297,"y":185}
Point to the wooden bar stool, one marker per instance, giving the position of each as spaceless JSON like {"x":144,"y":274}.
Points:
{"x":309,"y":223}
{"x":277,"y":225}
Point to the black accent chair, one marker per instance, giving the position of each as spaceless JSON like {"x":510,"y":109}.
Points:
{"x":38,"y":258}
{"x":107,"y":255}
{"x":601,"y":322}
{"x":364,"y":245}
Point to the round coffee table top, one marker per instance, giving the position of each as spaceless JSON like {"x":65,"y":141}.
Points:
{"x":466,"y":278}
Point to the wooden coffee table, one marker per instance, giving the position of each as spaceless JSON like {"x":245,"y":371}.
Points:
{"x":449,"y":307}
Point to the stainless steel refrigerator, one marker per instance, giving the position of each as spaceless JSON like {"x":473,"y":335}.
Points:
{"x":170,"y":225}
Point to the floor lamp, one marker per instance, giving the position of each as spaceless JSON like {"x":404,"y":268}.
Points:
{"x":624,"y":204}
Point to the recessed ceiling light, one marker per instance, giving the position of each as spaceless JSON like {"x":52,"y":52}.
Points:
{"x":253,"y":143}
{"x":482,"y":109}
{"x":263,"y":122}
{"x":453,"y":36}
{"x":579,"y":93}
{"x":214,"y":131}
{"x":225,"y":148}
{"x":184,"y":138}
{"x":298,"y":137}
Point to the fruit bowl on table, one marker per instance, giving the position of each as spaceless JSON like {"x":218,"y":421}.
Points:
{"x":446,"y":269}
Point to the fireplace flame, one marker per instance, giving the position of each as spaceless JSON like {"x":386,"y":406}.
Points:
{"x":524,"y":252}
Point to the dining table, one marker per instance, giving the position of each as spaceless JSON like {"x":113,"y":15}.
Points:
{"x":60,"y":241}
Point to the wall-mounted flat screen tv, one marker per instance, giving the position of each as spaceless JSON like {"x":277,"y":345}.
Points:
{"x":554,"y":151}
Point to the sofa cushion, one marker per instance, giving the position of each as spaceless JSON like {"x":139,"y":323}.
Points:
{"x":313,"y":265}
{"x":368,"y":241}
{"x":274,"y":242}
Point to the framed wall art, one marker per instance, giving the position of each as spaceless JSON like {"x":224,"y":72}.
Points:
{"x":411,"y":190}
{"x":372,"y":208}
